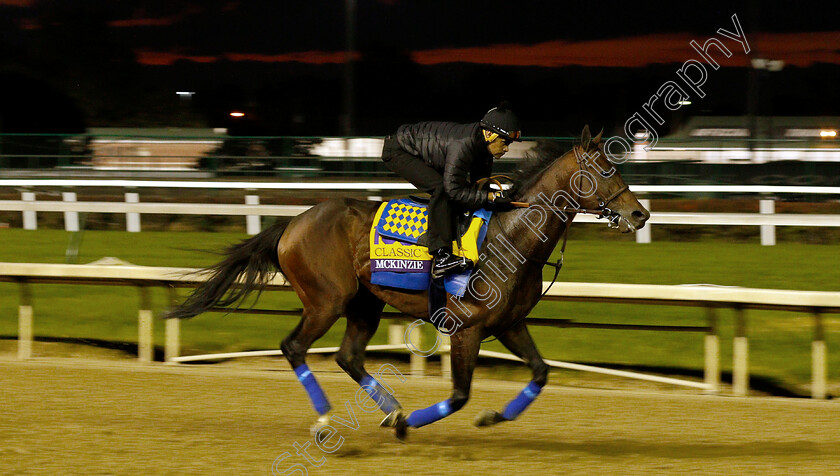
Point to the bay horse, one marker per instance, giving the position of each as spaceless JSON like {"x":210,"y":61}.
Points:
{"x":324,"y":254}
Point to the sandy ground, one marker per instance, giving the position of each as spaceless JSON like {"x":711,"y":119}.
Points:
{"x":94,"y":416}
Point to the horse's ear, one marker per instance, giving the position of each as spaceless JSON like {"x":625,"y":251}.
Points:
{"x":597,"y":139}
{"x":585,"y":138}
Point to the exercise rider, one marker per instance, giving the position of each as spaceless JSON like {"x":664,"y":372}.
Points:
{"x":445,"y":159}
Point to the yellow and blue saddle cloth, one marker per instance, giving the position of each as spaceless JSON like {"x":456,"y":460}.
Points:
{"x":396,"y":260}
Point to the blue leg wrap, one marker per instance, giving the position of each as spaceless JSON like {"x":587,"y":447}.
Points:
{"x":521,"y":402}
{"x":379,"y":394}
{"x":432,"y":414}
{"x":316,"y":395}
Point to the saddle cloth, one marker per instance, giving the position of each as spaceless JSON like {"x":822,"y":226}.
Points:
{"x":396,"y":258}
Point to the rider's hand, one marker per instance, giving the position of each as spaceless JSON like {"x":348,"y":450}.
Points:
{"x":494,"y":194}
{"x":501,"y":202}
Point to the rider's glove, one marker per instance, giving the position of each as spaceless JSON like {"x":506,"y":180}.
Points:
{"x":501,"y":203}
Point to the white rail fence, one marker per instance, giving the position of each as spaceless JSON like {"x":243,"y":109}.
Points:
{"x":766,"y":219}
{"x":379,"y":186}
{"x":711,"y":298}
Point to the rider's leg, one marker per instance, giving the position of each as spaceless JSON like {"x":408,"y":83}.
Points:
{"x":414,"y":169}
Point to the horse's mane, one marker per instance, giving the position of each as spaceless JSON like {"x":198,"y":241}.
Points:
{"x":537,"y":159}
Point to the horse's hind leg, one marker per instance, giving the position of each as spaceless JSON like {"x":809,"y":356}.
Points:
{"x":518,"y":340}
{"x":313,"y":324}
{"x":363,"y":315}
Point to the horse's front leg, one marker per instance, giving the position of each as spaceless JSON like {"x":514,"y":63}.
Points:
{"x":518,"y":340}
{"x":464,"y":354}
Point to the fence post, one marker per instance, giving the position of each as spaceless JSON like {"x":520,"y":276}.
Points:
{"x":252,"y":222}
{"x":768,"y":232}
{"x":145,"y":323}
{"x":712,"y":354}
{"x":30,"y":218}
{"x":644,"y":235}
{"x":740,"y":355}
{"x":172,"y":347}
{"x":375,"y":195}
{"x":818,"y":359}
{"x":132,"y":220}
{"x":71,"y":219}
{"x":396,"y":334}
{"x":25,"y":322}
{"x":414,"y":336}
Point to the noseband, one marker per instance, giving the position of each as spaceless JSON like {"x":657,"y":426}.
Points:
{"x":603,"y":210}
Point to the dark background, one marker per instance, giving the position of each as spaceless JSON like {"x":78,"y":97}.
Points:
{"x":71,"y":64}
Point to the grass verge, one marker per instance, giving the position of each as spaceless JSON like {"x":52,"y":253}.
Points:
{"x":779,"y":342}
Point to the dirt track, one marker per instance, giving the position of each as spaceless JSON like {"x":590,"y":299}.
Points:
{"x":73,"y":416}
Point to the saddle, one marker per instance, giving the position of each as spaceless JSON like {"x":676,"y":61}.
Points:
{"x":399,"y":256}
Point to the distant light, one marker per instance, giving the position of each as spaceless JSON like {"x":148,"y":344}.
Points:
{"x":775,"y":65}
{"x":720,"y":132}
{"x":769,"y":65}
{"x":642,"y":135}
{"x":828,"y":133}
{"x":185,"y":93}
{"x":684,"y":103}
{"x":237,"y":114}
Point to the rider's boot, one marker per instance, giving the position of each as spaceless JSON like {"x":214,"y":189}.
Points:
{"x":445,"y":263}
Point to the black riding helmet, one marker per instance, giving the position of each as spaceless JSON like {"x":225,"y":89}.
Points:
{"x":504,"y":122}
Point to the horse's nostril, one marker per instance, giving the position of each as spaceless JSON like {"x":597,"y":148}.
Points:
{"x":638,"y":214}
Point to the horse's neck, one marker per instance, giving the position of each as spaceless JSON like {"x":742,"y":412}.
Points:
{"x":535,"y":232}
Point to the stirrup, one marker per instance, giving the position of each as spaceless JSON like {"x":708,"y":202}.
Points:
{"x":460,"y":265}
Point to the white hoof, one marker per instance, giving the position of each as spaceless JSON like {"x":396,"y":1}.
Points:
{"x":322,"y":421}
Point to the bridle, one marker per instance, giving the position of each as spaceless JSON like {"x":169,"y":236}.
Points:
{"x":603,"y":211}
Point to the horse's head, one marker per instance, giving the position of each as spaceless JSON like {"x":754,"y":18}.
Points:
{"x":599,"y":186}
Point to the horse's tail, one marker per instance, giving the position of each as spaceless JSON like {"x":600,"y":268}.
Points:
{"x":256,"y":257}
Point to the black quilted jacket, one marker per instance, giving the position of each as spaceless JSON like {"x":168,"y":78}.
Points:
{"x":458,"y":151}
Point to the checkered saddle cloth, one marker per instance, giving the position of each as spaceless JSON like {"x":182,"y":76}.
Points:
{"x":399,"y":257}
{"x":403,"y":219}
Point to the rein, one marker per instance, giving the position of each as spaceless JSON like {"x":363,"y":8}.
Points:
{"x":556,"y":265}
{"x":559,"y":263}
{"x":603,"y":211}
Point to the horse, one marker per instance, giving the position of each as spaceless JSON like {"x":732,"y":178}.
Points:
{"x":324,"y":253}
